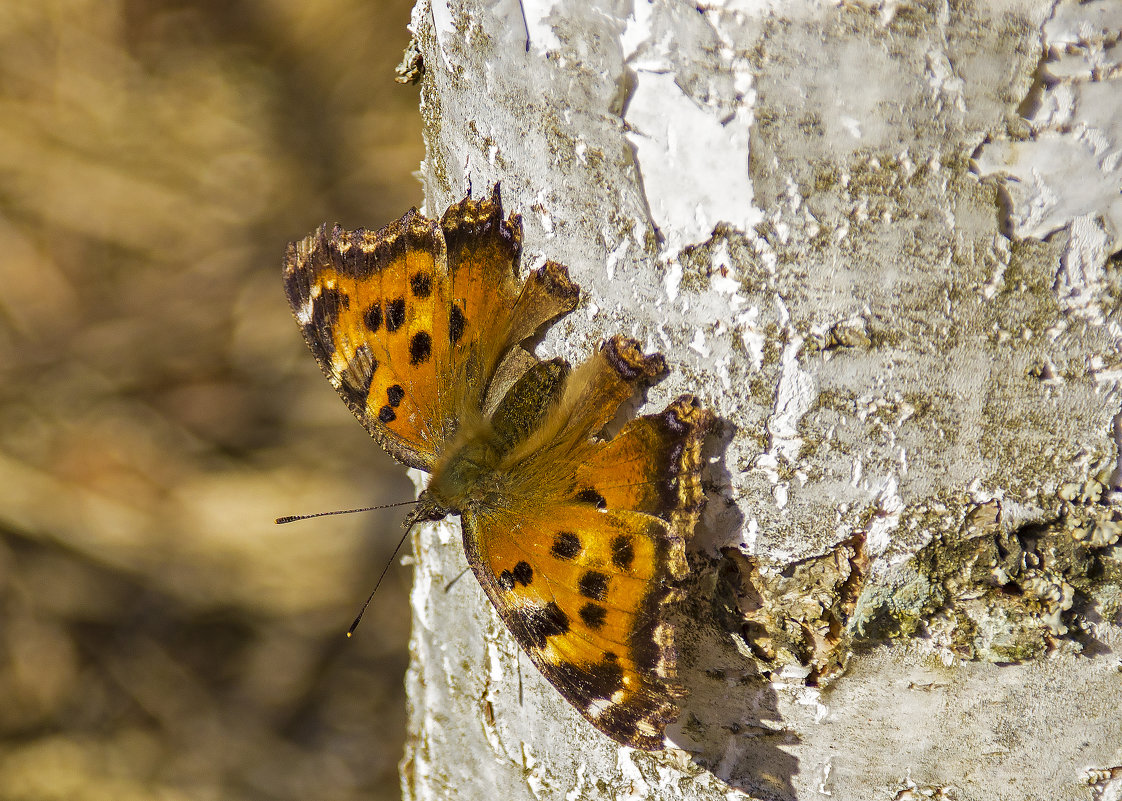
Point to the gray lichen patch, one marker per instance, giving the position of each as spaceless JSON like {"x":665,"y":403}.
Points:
{"x":1008,"y":596}
{"x":978,"y":591}
{"x":795,"y":615}
{"x":700,"y":262}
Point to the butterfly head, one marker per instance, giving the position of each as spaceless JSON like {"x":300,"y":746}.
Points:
{"x":427,"y":509}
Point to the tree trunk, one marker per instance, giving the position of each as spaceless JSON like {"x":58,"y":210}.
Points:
{"x":874,"y":238}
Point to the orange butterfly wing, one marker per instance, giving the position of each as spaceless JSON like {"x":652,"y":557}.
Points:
{"x":409,"y":323}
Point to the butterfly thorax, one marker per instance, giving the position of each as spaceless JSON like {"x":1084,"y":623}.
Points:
{"x":472,"y":469}
{"x":467,"y":474}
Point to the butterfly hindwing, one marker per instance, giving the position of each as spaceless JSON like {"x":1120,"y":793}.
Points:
{"x":651,"y":466}
{"x":584,"y":598}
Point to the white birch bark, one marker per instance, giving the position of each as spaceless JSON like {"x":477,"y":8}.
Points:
{"x":876,"y":238}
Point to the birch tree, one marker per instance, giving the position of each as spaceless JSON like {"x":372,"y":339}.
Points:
{"x":876,"y":239}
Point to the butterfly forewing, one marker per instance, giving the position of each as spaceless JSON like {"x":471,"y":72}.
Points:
{"x":483,"y":254}
{"x":409,"y":321}
{"x":365,"y":301}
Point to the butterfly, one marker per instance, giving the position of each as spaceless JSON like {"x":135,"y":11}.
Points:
{"x":576,"y":538}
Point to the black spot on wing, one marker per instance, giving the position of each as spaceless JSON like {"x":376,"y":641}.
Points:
{"x":593,"y":585}
{"x":535,"y":624}
{"x":420,"y":348}
{"x":386,"y":414}
{"x":394,"y":394}
{"x":589,"y":495}
{"x":593,"y":615}
{"x":623,"y":552}
{"x":373,"y":318}
{"x":566,"y":546}
{"x":456,"y":324}
{"x":395,"y":314}
{"x":523,"y":573}
{"x":421,"y":285}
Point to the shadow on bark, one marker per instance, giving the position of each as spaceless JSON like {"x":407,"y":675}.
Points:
{"x":730,"y":720}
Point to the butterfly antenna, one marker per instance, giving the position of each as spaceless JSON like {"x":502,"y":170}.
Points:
{"x":293,"y":518}
{"x":378,"y":584}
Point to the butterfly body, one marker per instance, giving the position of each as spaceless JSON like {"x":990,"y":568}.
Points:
{"x":576,"y":539}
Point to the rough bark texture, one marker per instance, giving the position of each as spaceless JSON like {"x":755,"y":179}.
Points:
{"x":876,"y":238}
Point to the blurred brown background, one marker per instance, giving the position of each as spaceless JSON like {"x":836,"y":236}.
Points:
{"x":159,"y":636}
